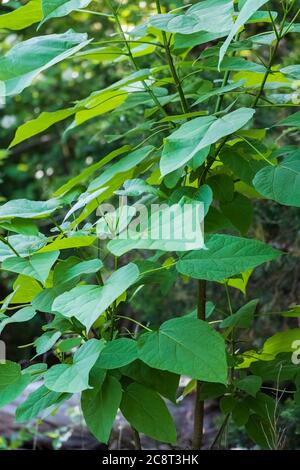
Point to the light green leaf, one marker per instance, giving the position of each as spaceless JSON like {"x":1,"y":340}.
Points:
{"x":248,"y":10}
{"x":87,"y":172}
{"x":25,"y":289}
{"x":12,"y":382}
{"x":38,"y":401}
{"x":37,"y":266}
{"x":22,"y":17}
{"x":45,"y":342}
{"x":166,"y":229}
{"x":210,"y":15}
{"x":26,"y":209}
{"x":83,"y":200}
{"x":224,"y":257}
{"x":86,"y":303}
{"x":280,"y":183}
{"x":67,"y":243}
{"x":122,"y":166}
{"x":147,"y":413}
{"x":59,"y":8}
{"x":118,"y":353}
{"x":24,"y":245}
{"x":73,"y":267}
{"x":22,"y":315}
{"x":179,"y":146}
{"x":186,"y":346}
{"x":26,"y":60}
{"x":100,"y":406}
{"x":74,"y":378}
{"x":40,"y":124}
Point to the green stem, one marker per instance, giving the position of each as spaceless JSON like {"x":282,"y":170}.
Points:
{"x":172,"y":67}
{"x":132,"y":59}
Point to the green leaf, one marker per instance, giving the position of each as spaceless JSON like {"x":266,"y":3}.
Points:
{"x":260,"y":431}
{"x":87,"y":172}
{"x":240,"y":413}
{"x":180,"y":145}
{"x":21,"y":226}
{"x":167,"y":228}
{"x":118,"y":353}
{"x":26,"y":60}
{"x":74,"y":378}
{"x":25,"y":289}
{"x":22,"y":17}
{"x":12,"y":382}
{"x":36,"y":402}
{"x":22,"y":315}
{"x":210,"y":15}
{"x":280,"y":183}
{"x":224,"y":257}
{"x":250,"y":384}
{"x":44,"y":299}
{"x":291,"y":121}
{"x":86,"y":303}
{"x":59,"y":8}
{"x":233,"y":210}
{"x":100,"y":406}
{"x":24,"y":245}
{"x":248,"y":10}
{"x":46,"y":342}
{"x":67,"y":243}
{"x":73,"y":268}
{"x":185,"y":346}
{"x":40,"y":124}
{"x":243,"y":318}
{"x":37,"y":266}
{"x":68,"y":344}
{"x":164,"y":382}
{"x":209,"y":134}
{"x":122,"y":166}
{"x":25,"y":209}
{"x":145,"y":410}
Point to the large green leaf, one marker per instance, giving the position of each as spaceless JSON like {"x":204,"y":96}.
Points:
{"x":26,"y":209}
{"x":73,"y":378}
{"x":147,"y":413}
{"x":59,"y":8}
{"x":100,"y":406}
{"x":218,"y":129}
{"x":118,"y":353}
{"x":46,"y":342}
{"x":280,"y":183}
{"x":86,"y":303}
{"x":25,"y":289}
{"x":22,"y":315}
{"x":36,"y":402}
{"x":40,"y":124}
{"x":164,"y":382}
{"x":73,"y":268}
{"x":209,"y":15}
{"x":171,"y":228}
{"x":181,"y":144}
{"x":28,"y":59}
{"x":224,"y":257}
{"x":24,"y":245}
{"x":122,"y":166}
{"x":12,"y":382}
{"x":186,"y":346}
{"x":248,"y":10}
{"x":37,"y":266}
{"x":22,"y":17}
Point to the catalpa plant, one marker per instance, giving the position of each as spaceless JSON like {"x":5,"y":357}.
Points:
{"x":195,"y":142}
